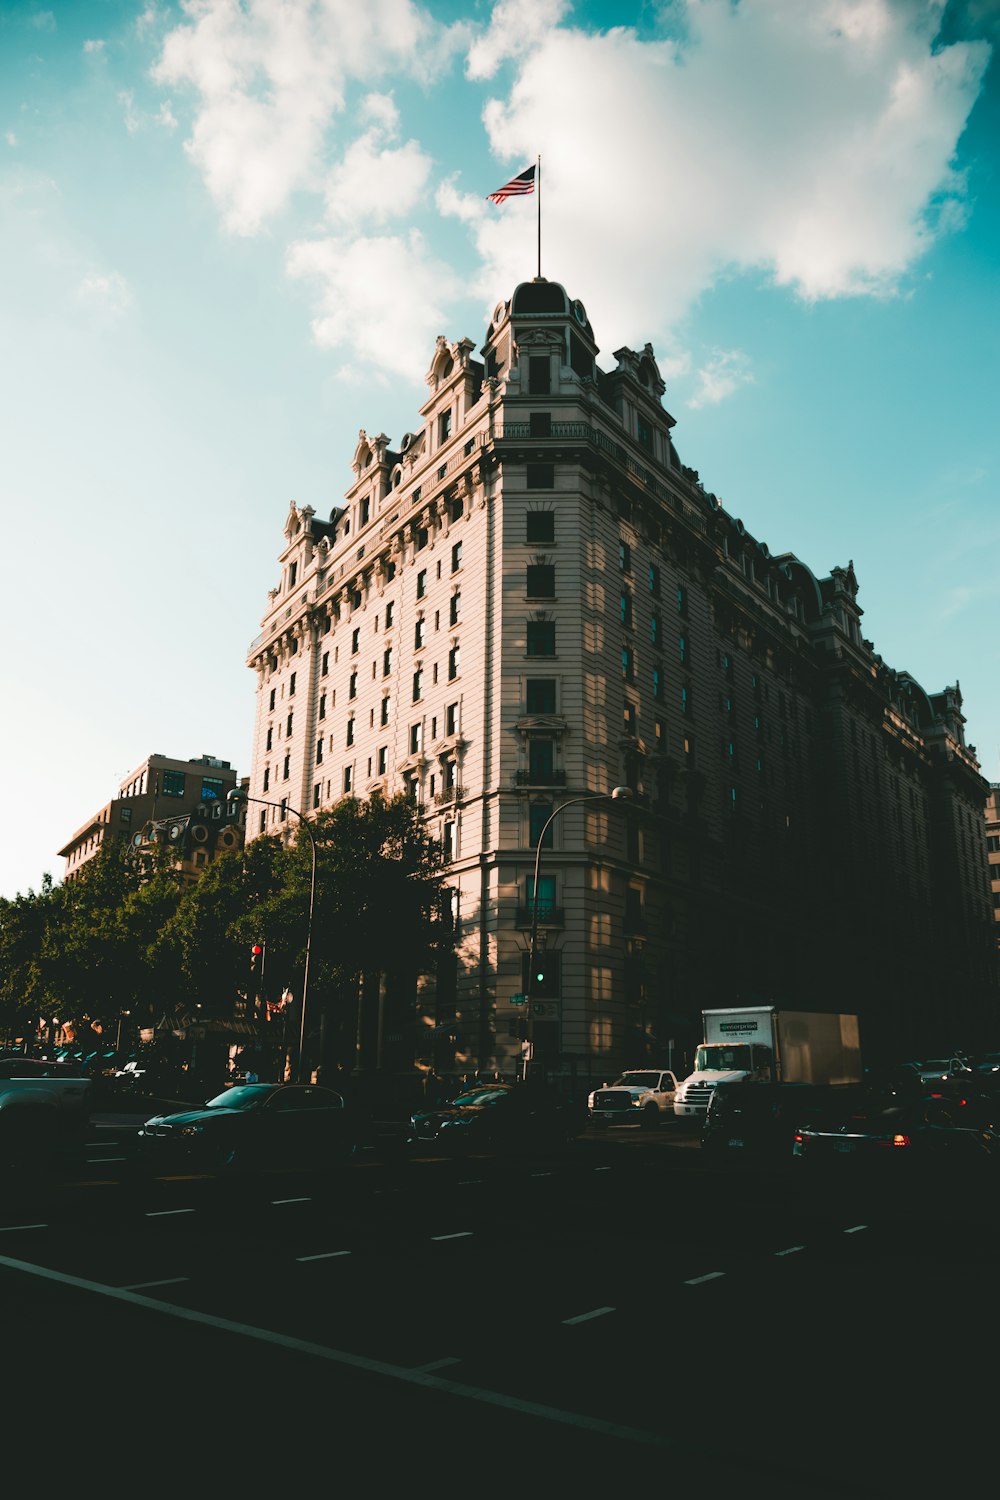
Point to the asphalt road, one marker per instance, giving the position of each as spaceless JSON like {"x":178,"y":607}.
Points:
{"x":628,"y":1312}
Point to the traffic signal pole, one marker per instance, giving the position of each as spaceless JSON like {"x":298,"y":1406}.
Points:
{"x":618,"y":792}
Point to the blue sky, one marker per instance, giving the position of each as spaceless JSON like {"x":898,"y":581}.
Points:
{"x":230,"y":232}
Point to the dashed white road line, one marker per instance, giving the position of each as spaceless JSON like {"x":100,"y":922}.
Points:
{"x":166,"y":1213}
{"x":856,"y":1229}
{"x":324,"y":1255}
{"x":277,"y":1201}
{"x":96,"y":1161}
{"x":792,"y":1250}
{"x":709,"y":1276}
{"x":438,"y":1364}
{"x":598,"y":1312}
{"x":461,"y":1234}
{"x":602,"y":1169}
{"x":13,"y":1228}
{"x":138,"y":1286}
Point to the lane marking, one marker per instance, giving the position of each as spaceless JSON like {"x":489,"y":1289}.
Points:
{"x":137,"y":1286}
{"x":470,"y":1182}
{"x":856,"y":1229}
{"x":541,"y":1174}
{"x":602,"y":1169}
{"x":710,"y":1276}
{"x":430,"y":1382}
{"x":13,"y":1228}
{"x":96,"y":1161}
{"x":438,"y":1364}
{"x":461,"y":1234}
{"x":598,"y":1312}
{"x":792,"y":1250}
{"x":289,"y":1200}
{"x":164,"y":1213}
{"x":324,"y":1255}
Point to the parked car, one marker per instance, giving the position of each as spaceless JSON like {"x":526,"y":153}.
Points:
{"x":498,"y":1117}
{"x":902,"y":1137}
{"x":253,"y":1127}
{"x":639,"y":1096}
{"x":937,"y":1068}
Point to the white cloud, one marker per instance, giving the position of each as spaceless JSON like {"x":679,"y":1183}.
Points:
{"x":376,"y":182}
{"x":379,"y":299}
{"x":10,"y":138}
{"x":109,"y":296}
{"x":165,"y":116}
{"x":805,"y":142}
{"x":94,"y":45}
{"x":270,"y":81}
{"x":43,"y":20}
{"x":724,"y":373}
{"x":516,"y":27}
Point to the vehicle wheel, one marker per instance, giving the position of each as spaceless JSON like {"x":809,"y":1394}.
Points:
{"x":650,"y":1116}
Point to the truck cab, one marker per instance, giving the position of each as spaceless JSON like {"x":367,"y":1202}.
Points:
{"x":715,"y":1063}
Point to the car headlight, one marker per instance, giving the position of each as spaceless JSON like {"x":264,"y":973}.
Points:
{"x":192,"y":1130}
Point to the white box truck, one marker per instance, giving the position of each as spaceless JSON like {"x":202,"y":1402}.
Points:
{"x":770,"y":1043}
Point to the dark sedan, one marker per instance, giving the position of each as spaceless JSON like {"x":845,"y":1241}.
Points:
{"x":498,"y":1117}
{"x":255,"y":1126}
{"x":942,"y":1132}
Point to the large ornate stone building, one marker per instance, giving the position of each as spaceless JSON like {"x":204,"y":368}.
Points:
{"x":529,"y":601}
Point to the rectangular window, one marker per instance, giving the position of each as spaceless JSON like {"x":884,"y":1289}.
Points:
{"x":444,"y":426}
{"x":660,"y":734}
{"x":540,"y":476}
{"x":316,"y":792}
{"x":546,"y":896}
{"x":322,"y":706}
{"x":455,"y":608}
{"x":541,"y":638}
{"x":456,"y":557}
{"x":293,"y":573}
{"x":629,"y":716}
{"x":538,"y":815}
{"x":172,"y":783}
{"x":270,"y":739}
{"x":540,"y":693}
{"x":658,"y":681}
{"x":654,"y":580}
{"x":421,"y":583}
{"x":423,"y":537}
{"x":685,"y":698}
{"x":540,"y":424}
{"x":267,"y":777}
{"x":383,"y":756}
{"x":388,"y":614}
{"x":643,"y":433}
{"x":348,"y":778}
{"x":384,"y":712}
{"x":628,"y":664}
{"x":624,"y":555}
{"x":291,"y":686}
{"x":364,"y":512}
{"x":350,"y":731}
{"x":271,"y":702}
{"x":539,"y":375}
{"x":387,"y":661}
{"x":352,"y":686}
{"x":625,"y":609}
{"x":682,"y":647}
{"x":541,"y":581}
{"x":454,"y":662}
{"x":654,"y":628}
{"x":456,"y":507}
{"x":451,"y":719}
{"x":319,"y":751}
{"x":286,"y":769}
{"x":540,"y":526}
{"x":418,"y":685}
{"x":324,"y":669}
{"x":682,"y":600}
{"x":288,"y":727}
{"x":541,"y":759}
{"x":262,"y":824}
{"x":416,"y":738}
{"x":355,"y":640}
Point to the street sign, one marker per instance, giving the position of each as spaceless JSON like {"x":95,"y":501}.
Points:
{"x":527,"y":1051}
{"x":518,"y":999}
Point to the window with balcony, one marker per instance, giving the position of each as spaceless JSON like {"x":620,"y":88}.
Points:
{"x":541,"y":759}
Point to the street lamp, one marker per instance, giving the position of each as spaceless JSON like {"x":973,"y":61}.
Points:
{"x":237,"y":795}
{"x":619,"y":792}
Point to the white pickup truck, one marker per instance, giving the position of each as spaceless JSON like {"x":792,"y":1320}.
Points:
{"x":643,"y":1096}
{"x":42,"y":1104}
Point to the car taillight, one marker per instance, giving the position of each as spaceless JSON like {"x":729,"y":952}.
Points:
{"x":901,"y":1140}
{"x":798,"y":1137}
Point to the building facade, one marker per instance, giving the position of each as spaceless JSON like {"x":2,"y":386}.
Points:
{"x":181,"y":802}
{"x":993,"y":853}
{"x":529,"y":601}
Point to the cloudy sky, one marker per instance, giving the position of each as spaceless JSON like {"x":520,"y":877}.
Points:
{"x":230,"y":231}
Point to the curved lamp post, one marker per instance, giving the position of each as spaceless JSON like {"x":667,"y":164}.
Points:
{"x":619,"y":792}
{"x":236,"y":795}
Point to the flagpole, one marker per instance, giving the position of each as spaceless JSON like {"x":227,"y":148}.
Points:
{"x":539,"y":176}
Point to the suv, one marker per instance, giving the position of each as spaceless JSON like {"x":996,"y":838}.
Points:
{"x":640,"y":1096}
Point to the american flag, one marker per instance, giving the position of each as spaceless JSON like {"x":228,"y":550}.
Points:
{"x":523,"y":183}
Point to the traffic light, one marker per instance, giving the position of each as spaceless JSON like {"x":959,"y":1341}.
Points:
{"x":256,"y":958}
{"x":545,"y":975}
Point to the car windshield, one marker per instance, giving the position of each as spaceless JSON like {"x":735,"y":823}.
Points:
{"x":480,"y":1096}
{"x":722,"y":1057}
{"x":637,"y":1080}
{"x":248,"y":1096}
